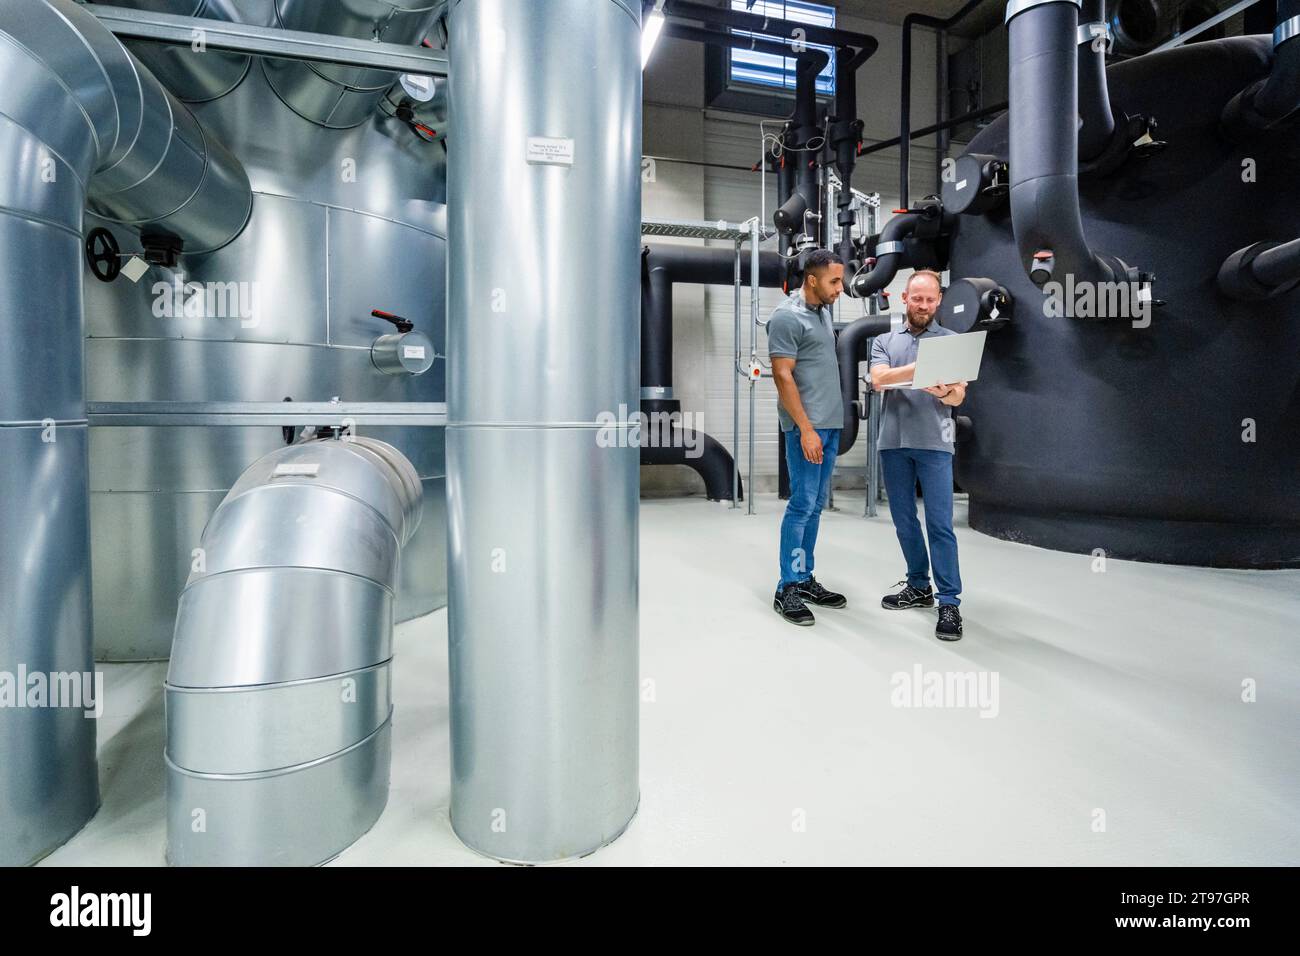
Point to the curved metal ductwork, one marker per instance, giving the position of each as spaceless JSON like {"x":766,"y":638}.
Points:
{"x":1275,"y":100}
{"x":542,"y":574}
{"x":279,"y":703}
{"x":1044,"y":117}
{"x":80,"y":121}
{"x":193,"y":76}
{"x":662,"y":266}
{"x":341,"y":97}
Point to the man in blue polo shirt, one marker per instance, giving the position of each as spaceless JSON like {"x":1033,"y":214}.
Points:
{"x":801,"y":344}
{"x":916,"y":444}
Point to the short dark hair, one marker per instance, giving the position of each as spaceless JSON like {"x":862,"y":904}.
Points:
{"x":820,"y":259}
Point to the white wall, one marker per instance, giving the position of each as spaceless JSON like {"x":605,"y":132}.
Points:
{"x":677,"y":125}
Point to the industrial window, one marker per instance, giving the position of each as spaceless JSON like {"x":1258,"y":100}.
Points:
{"x":767,"y":69}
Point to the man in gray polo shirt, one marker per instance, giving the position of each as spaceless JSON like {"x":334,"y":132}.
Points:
{"x":916,"y":444}
{"x":801,"y":344}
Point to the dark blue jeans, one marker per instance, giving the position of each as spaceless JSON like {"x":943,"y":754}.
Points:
{"x":903,"y":468}
{"x":810,"y":488}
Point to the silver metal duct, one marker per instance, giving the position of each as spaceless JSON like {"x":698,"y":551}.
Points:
{"x":194,"y":75}
{"x":79,"y":119}
{"x":279,"y":702}
{"x":344,"y":96}
{"x":545,"y":113}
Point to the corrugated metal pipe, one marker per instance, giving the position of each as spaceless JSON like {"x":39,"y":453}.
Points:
{"x":80,"y":121}
{"x":344,"y":96}
{"x":194,"y":75}
{"x":279,"y":703}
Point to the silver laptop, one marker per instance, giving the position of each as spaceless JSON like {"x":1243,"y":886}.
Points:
{"x":945,"y":359}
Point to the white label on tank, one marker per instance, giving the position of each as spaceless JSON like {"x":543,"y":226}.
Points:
{"x":958,"y":309}
{"x":135,"y":268}
{"x":418,"y":87}
{"x":296,"y":468}
{"x":962,"y":184}
{"x":413,"y":352}
{"x":550,"y":151}
{"x":993,"y":313}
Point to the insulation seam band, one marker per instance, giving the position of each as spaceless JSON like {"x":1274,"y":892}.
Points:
{"x":1016,"y":7}
{"x":1286,"y":30}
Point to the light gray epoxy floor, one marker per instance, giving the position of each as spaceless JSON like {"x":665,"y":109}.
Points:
{"x":1118,"y":692}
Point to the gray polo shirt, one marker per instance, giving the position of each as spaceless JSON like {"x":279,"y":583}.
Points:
{"x":912,"y":418}
{"x":807,"y":336}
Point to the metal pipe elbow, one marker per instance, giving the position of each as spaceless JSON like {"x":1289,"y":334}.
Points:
{"x":278,"y":692}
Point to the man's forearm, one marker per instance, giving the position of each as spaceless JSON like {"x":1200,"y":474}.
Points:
{"x":884,"y":375}
{"x":788,"y":394}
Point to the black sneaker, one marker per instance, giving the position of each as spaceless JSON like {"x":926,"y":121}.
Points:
{"x":949,"y":627}
{"x":813,"y":592}
{"x":908,"y":597}
{"x":789,"y":604}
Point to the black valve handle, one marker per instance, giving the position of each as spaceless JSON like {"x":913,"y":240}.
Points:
{"x":103,"y":254}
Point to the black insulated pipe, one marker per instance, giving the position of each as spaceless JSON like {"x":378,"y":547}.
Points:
{"x":1095,"y":113}
{"x":887,"y":264}
{"x":771,"y":26}
{"x":851,"y":349}
{"x":1274,"y":100}
{"x":714,"y":463}
{"x":734,"y":41}
{"x":905,"y":93}
{"x":1044,"y":147}
{"x":661,"y":267}
{"x":1261,"y":271}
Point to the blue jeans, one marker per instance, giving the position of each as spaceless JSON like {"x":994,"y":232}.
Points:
{"x":810,"y":488}
{"x":902,"y":468}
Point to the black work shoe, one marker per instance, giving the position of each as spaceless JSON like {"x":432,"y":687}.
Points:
{"x":789,"y":604}
{"x":908,"y":597}
{"x":949,"y":627}
{"x":812,"y":592}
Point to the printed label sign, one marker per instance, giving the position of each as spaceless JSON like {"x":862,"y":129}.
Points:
{"x":135,"y":268}
{"x":550,"y":151}
{"x":296,"y":468}
{"x":413,"y":352}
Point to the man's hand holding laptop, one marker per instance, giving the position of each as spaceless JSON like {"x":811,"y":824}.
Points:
{"x":953,"y":394}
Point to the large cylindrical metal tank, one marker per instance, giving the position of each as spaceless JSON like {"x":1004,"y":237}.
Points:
{"x":543,"y":345}
{"x":343,"y":222}
{"x":1177,"y":440}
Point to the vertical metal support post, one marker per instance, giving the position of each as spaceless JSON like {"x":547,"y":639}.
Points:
{"x":754,"y":235}
{"x":874,"y":404}
{"x":735,"y":390}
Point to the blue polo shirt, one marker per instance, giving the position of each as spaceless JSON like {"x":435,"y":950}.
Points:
{"x":912,"y":418}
